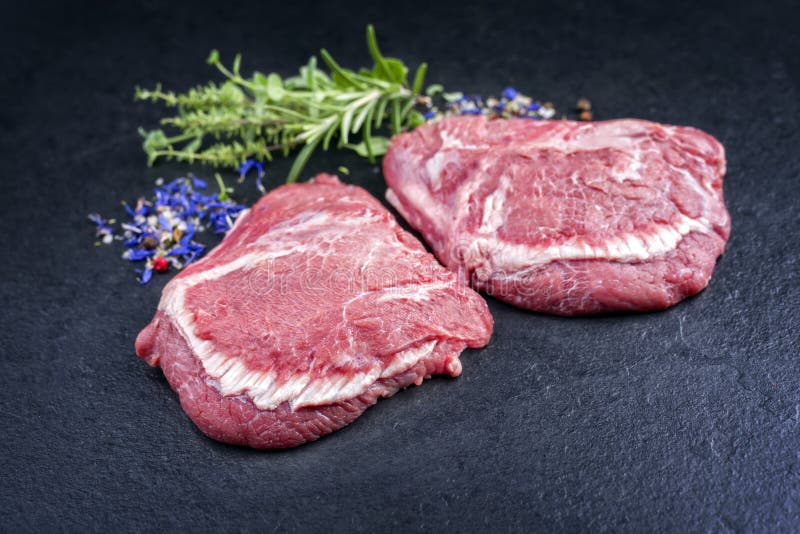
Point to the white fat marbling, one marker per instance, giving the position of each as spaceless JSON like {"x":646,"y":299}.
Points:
{"x":512,"y":257}
{"x":263,"y":386}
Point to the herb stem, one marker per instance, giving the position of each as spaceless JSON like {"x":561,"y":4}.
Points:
{"x":257,"y":116}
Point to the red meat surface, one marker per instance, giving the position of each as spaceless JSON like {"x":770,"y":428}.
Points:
{"x":314,"y":306}
{"x":566,"y":217}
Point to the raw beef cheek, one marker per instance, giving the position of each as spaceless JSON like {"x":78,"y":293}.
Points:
{"x":566,"y":217}
{"x":315,"y":305}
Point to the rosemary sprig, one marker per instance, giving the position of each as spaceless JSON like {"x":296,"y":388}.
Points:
{"x":256,"y":117}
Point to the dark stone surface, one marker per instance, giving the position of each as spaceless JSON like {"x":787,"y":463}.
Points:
{"x":687,"y":419}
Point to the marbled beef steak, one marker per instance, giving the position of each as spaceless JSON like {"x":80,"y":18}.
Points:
{"x":313,"y":306}
{"x":566,"y":217}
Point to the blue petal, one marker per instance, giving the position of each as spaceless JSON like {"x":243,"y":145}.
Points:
{"x":510,"y":93}
{"x":198,"y":183}
{"x":139,"y":254}
{"x":164,"y":223}
{"x":245,"y":167}
{"x":146,"y":276}
{"x":177,"y":251}
{"x":250,"y":164}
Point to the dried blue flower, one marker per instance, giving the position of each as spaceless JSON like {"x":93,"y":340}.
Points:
{"x":165,"y":225}
{"x":137,"y":254}
{"x":179,"y":250}
{"x":146,"y":276}
{"x":188,"y":233}
{"x":510,"y":93}
{"x":511,"y":104}
{"x":129,"y":209}
{"x":103,"y":226}
{"x":250,"y":164}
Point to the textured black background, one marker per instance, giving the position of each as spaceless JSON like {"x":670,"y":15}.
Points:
{"x":682,"y":420}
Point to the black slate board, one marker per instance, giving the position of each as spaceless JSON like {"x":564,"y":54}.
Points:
{"x":688,"y":419}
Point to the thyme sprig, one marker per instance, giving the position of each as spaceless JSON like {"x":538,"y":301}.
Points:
{"x":257,"y":117}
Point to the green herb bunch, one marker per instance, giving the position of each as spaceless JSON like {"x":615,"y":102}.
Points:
{"x":256,"y":117}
